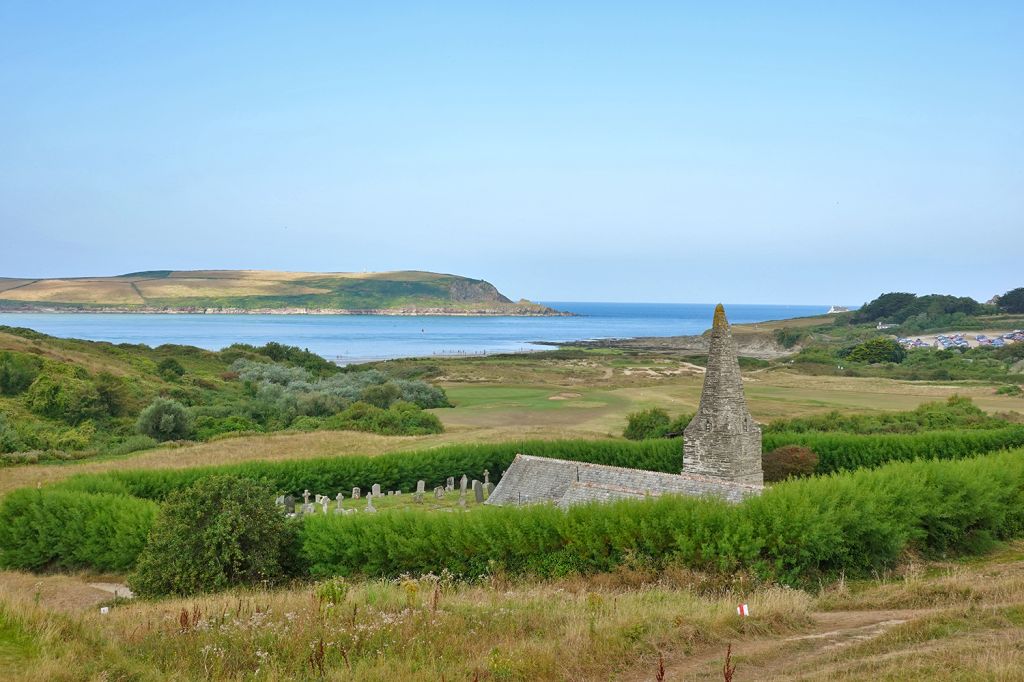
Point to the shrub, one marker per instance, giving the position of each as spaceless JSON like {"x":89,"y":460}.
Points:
{"x":221,"y":532}
{"x":170,"y":369}
{"x":878,"y":349}
{"x":956,"y":412}
{"x":208,"y":427}
{"x":133,"y":444}
{"x":10,"y":441}
{"x":1009,"y":389}
{"x":17,"y":372}
{"x":645,"y":424}
{"x":788,"y":461}
{"x":64,"y":394}
{"x":164,"y":420}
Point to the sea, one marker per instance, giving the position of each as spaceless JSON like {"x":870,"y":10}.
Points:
{"x":359,"y":338}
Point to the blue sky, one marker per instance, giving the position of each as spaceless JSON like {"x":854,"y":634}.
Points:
{"x":762,"y":152}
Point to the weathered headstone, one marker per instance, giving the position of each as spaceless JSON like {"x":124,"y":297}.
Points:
{"x":308,"y":508}
{"x":487,"y":476}
{"x":488,"y":488}
{"x":369,"y":503}
{"x":375,"y":490}
{"x":438,"y":493}
{"x":462,"y":491}
{"x":478,"y":491}
{"x":305,"y":497}
{"x":289,"y":504}
{"x":338,"y":508}
{"x":356,"y":492}
{"x":279,"y":501}
{"x":421,"y":487}
{"x":463,"y":484}
{"x":325,"y":502}
{"x":449,"y":484}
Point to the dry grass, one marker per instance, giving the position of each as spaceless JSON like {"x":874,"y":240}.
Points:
{"x":109,"y":291}
{"x":190,"y":288}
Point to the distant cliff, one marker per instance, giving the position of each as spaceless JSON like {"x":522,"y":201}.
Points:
{"x":265,"y":292}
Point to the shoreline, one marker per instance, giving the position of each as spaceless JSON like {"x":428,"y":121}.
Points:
{"x":391,"y":312}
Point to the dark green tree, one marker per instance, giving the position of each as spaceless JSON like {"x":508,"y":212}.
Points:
{"x":1012,"y":301}
{"x":652,"y":423}
{"x":878,"y":349}
{"x":221,"y":532}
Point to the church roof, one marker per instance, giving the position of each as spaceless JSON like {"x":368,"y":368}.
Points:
{"x":530,"y":480}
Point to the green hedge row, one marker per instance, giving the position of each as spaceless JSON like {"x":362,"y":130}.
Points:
{"x":399,"y":470}
{"x":855,"y":523}
{"x":848,"y":451}
{"x":50,"y":528}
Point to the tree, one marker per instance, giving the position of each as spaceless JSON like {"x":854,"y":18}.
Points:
{"x":170,"y":369}
{"x":17,"y":372}
{"x":221,"y":532}
{"x":1012,"y":301}
{"x":652,"y":423}
{"x":878,"y":349}
{"x":165,"y":419}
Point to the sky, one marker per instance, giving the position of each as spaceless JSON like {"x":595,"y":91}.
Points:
{"x":592,"y":151}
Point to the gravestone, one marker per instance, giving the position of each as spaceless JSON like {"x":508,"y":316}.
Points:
{"x":463,"y":484}
{"x":289,"y":504}
{"x":338,"y":509}
{"x":375,"y":490}
{"x":356,"y":492}
{"x":488,"y":488}
{"x":478,"y":491}
{"x":308,"y":508}
{"x":305,"y":497}
{"x":325,"y":502}
{"x":438,"y":493}
{"x":279,"y":501}
{"x":487,"y":476}
{"x":449,"y":484}
{"x":369,"y":503}
{"x":421,"y":486}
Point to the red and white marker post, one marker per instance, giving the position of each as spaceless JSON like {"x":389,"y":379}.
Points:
{"x":742,"y":610}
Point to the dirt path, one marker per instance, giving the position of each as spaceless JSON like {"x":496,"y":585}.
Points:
{"x":768,"y":658}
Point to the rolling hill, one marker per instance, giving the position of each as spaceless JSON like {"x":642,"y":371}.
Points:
{"x":265,"y":291}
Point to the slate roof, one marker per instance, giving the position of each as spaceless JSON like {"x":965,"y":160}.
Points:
{"x":530,"y":480}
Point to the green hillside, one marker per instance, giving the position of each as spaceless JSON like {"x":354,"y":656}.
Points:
{"x":408,"y":292}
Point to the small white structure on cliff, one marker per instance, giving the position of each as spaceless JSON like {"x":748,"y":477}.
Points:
{"x":721,"y":451}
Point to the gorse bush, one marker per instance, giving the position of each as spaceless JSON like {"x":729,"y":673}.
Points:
{"x":221,"y":532}
{"x":17,"y":372}
{"x":165,"y":420}
{"x":654,"y":423}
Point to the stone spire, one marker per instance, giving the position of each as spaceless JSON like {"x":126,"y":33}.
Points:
{"x":723,"y":441}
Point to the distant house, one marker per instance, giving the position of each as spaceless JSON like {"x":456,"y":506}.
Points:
{"x":886,"y":326}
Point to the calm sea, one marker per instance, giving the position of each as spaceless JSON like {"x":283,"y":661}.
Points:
{"x":350,"y":338}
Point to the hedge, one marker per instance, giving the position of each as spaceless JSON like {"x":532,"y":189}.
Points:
{"x":50,"y":528}
{"x":399,"y":470}
{"x":848,"y":451}
{"x":795,"y":532}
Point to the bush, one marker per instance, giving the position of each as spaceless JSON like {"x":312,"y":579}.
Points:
{"x":221,"y":532}
{"x":170,"y":369}
{"x":789,"y":461}
{"x":165,"y":420}
{"x":10,"y":441}
{"x":879,"y":349}
{"x":645,"y":424}
{"x":1009,"y":389}
{"x":957,"y":412}
{"x":17,"y":372}
{"x":65,"y":394}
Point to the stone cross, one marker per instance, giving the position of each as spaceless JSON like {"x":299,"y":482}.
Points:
{"x":375,"y":490}
{"x":478,"y":491}
{"x":356,"y":492}
{"x":438,"y":492}
{"x":305,"y":497}
{"x":338,"y":509}
{"x":369,"y":503}
{"x":487,"y":476}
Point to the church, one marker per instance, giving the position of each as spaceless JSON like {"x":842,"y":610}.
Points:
{"x":721,"y":451}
